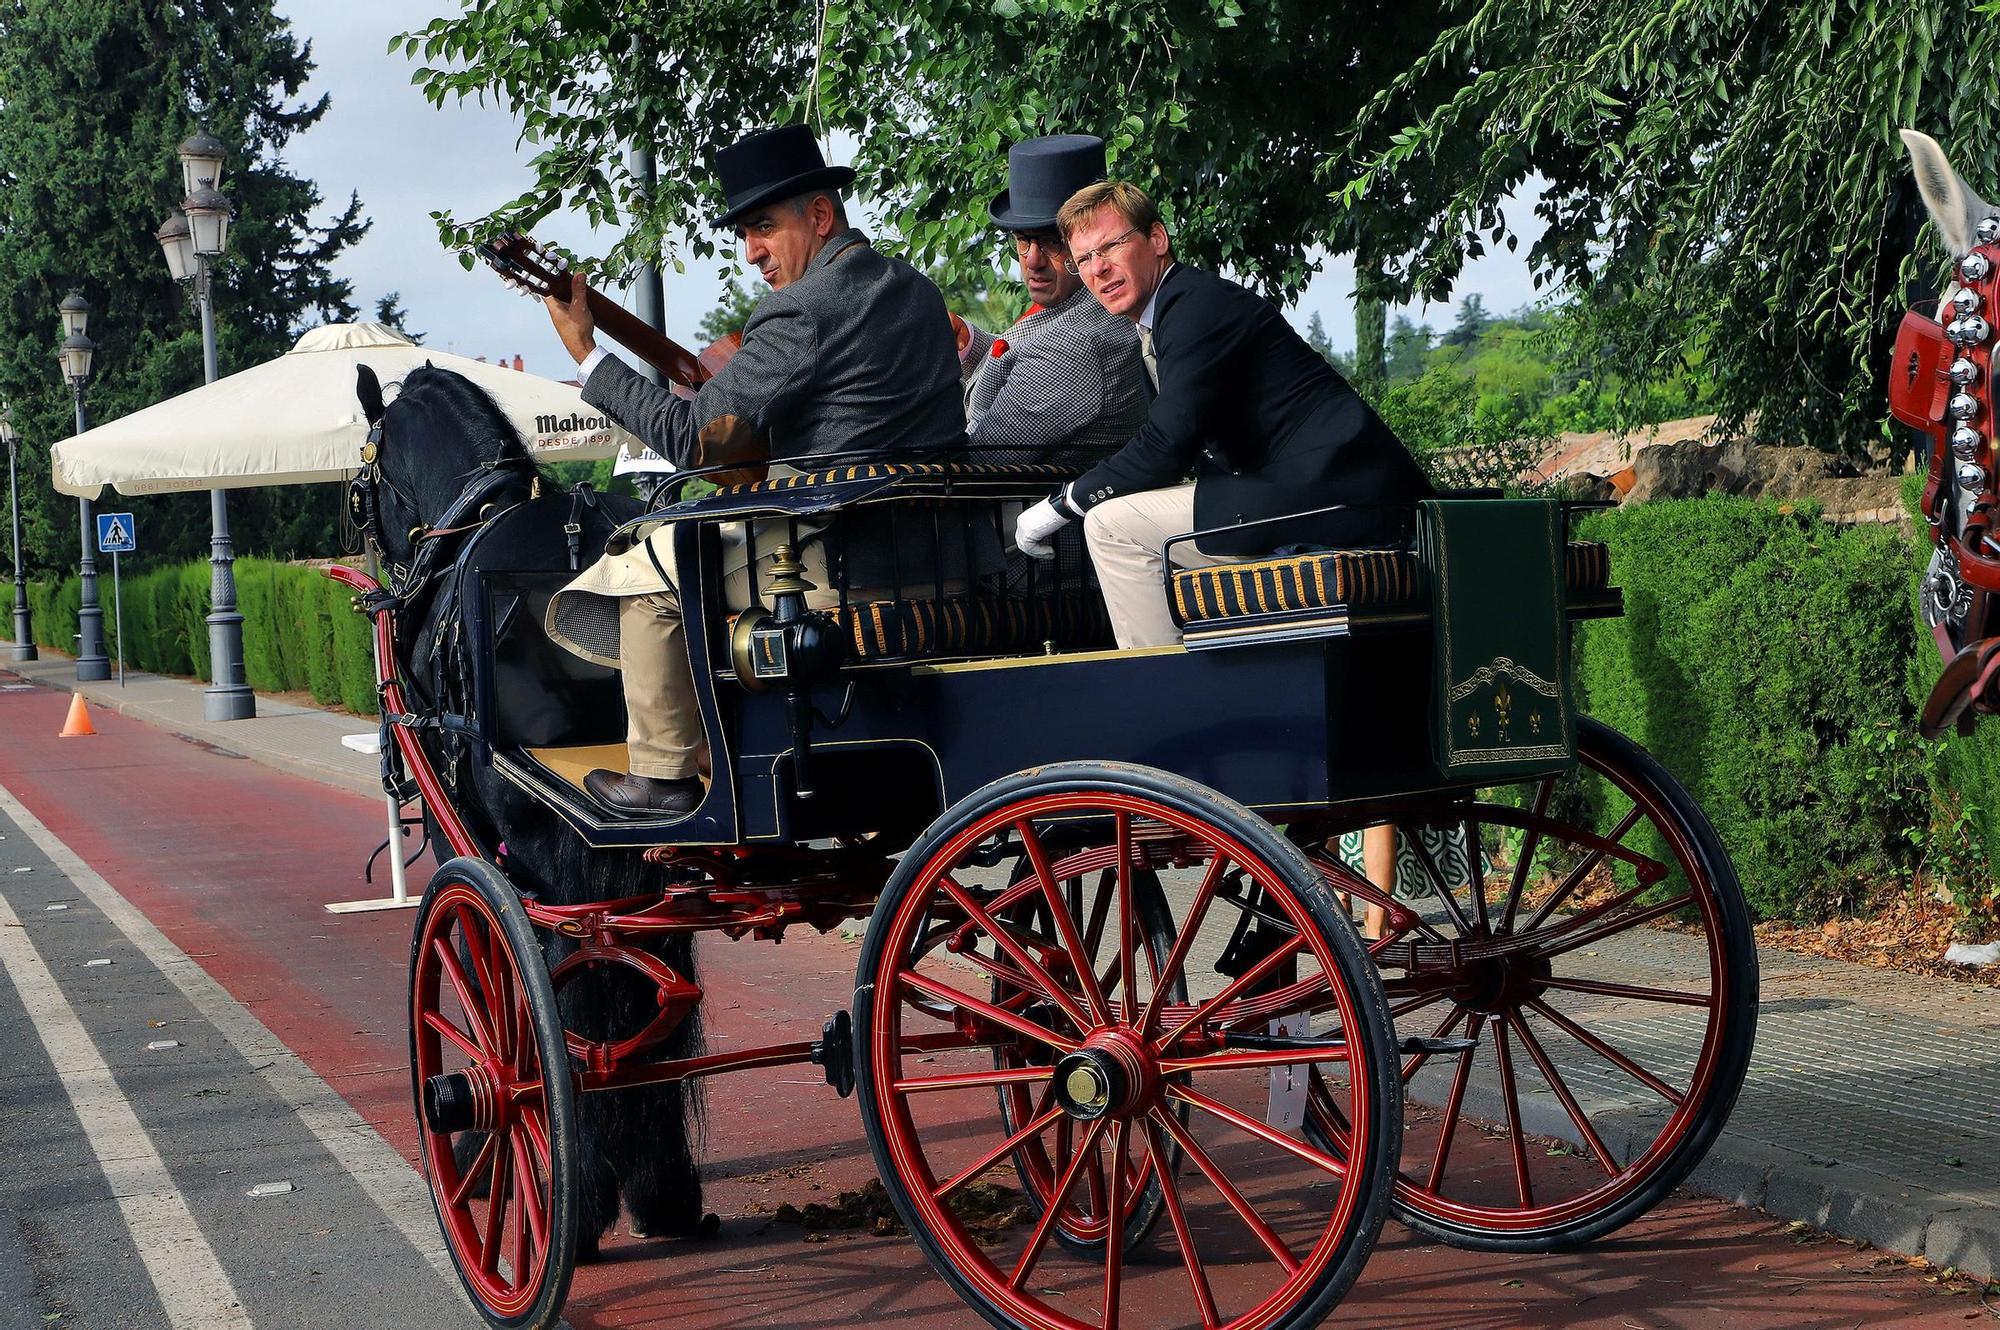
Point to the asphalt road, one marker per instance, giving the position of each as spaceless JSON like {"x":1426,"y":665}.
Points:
{"x":199,"y":877}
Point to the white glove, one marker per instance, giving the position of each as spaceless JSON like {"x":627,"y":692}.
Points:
{"x":1035,"y":527}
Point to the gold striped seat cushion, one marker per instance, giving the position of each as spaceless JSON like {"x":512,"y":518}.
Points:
{"x":1024,"y":471}
{"x":974,"y":625}
{"x":1356,"y":579}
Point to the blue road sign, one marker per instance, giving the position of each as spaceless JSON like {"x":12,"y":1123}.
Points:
{"x":116,"y":533}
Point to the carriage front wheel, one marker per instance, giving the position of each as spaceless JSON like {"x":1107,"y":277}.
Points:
{"x":496,"y":1107}
{"x":1136,"y":1069}
{"x":1595,"y":961}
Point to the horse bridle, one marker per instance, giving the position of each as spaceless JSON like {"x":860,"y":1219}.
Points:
{"x":476,"y":500}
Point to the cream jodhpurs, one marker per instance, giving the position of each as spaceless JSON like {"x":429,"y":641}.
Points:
{"x":1125,"y":535}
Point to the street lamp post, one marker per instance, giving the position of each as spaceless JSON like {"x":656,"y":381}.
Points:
{"x":193,"y":237}
{"x":92,"y":665}
{"x":24,"y":635}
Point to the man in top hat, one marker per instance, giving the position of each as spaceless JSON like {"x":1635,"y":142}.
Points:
{"x":851,"y":350}
{"x":1066,"y":378}
{"x":1256,"y":417}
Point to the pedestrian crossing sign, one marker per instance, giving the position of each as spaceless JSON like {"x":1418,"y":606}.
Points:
{"x":116,"y":533}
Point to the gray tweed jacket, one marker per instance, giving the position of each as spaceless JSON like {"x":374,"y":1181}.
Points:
{"x":1069,"y":382}
{"x":857,"y":354}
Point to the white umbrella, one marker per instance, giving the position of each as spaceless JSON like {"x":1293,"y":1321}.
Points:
{"x":295,"y":420}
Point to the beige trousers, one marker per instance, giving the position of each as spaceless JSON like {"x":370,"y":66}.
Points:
{"x":663,"y":731}
{"x":1125,"y":536}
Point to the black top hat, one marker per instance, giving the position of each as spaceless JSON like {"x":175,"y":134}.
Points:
{"x":775,"y":164}
{"x":1041,"y":175}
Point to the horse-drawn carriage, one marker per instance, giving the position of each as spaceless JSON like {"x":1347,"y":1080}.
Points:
{"x":1108,"y":956}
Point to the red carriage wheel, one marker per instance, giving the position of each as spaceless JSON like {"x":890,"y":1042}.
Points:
{"x":496,"y":1107}
{"x":1596,"y":1073}
{"x":1164,"y":1076}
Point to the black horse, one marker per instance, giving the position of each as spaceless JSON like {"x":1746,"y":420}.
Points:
{"x":447,"y":462}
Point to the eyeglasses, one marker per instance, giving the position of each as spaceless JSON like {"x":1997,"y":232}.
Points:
{"x":1051,"y":246}
{"x":1078,"y":262}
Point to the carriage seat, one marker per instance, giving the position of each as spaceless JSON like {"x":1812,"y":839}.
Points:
{"x":1339,"y":579}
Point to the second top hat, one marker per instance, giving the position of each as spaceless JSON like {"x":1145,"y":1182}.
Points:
{"x":1041,"y":175}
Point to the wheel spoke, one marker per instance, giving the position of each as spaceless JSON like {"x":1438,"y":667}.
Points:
{"x":998,"y":1015}
{"x":1177,"y":957}
{"x":1251,"y":1126}
{"x":1547,"y":1067}
{"x":436,"y":1020}
{"x":963,"y":1080}
{"x":998,"y":1153}
{"x":470,"y":1177}
{"x":1568,"y":941}
{"x":1439,"y":887}
{"x":1127,"y":917}
{"x":1114,"y":1227}
{"x":1418,"y":1003}
{"x":1272,"y":1242}
{"x":1454,"y":1104}
{"x":1582,"y":870}
{"x":1039,"y":1239}
{"x":482,"y":1032}
{"x":517,"y":1208}
{"x":1475,"y":865}
{"x":1511,"y":1100}
{"x":531,"y":1190}
{"x":1633,"y":991}
{"x":1531,"y":837}
{"x":1607,"y":1052}
{"x":1249,"y":979}
{"x":1065,"y":926}
{"x":1100,"y":911}
{"x":496,"y":1205}
{"x":1170,"y":1192}
{"x":1008,"y":943}
{"x":478,"y":946}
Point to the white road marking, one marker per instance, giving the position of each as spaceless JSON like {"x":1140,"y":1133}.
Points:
{"x":383,"y":1174}
{"x":190,"y":1281}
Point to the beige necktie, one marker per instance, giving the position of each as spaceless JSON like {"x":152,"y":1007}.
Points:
{"x":1146,"y":354}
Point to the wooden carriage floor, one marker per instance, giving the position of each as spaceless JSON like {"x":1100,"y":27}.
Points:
{"x":573,"y":764}
{"x":234,"y":862}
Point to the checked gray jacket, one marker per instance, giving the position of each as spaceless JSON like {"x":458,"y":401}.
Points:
{"x":1069,"y":384}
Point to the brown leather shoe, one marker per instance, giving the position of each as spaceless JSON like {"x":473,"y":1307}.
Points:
{"x":643,"y":796}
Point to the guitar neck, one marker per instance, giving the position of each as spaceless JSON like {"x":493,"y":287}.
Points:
{"x":650,"y":345}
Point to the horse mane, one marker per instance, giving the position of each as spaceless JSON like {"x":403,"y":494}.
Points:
{"x":456,"y":408}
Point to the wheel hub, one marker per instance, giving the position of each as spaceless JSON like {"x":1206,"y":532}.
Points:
{"x":1495,"y":985}
{"x":1108,"y":1077}
{"x":470,"y":1100}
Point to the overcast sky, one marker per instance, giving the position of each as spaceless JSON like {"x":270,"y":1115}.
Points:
{"x":406,"y":158}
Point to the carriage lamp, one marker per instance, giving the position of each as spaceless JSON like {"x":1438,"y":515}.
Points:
{"x":1971,"y":476}
{"x":1974,"y":267}
{"x":176,"y":239}
{"x":1962,"y":406}
{"x":201,"y":162}
{"x":791,"y":648}
{"x":1965,"y":300}
{"x":1965,"y":443}
{"x":1962,"y":372}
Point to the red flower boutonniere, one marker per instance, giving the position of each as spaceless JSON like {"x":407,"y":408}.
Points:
{"x":999,"y":347}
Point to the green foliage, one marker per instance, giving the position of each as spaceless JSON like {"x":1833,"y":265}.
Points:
{"x":1760,"y":659}
{"x":739,"y":301}
{"x":1738,"y":162}
{"x":94,"y":100}
{"x":300,"y":630}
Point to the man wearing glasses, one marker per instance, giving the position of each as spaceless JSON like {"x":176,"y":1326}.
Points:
{"x":1065,"y":382}
{"x":1261,"y":422}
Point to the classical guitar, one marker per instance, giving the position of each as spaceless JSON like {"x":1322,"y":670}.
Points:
{"x":537,"y":271}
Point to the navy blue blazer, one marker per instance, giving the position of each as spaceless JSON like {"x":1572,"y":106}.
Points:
{"x":1264,"y":425}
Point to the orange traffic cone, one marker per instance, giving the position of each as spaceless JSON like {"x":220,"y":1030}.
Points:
{"x":78,"y":723}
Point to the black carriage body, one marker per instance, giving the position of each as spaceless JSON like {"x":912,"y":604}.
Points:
{"x":1287,"y":711}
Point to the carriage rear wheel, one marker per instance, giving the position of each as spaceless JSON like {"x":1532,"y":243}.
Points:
{"x":1130,"y":1075}
{"x":496,"y":1108}
{"x":1600,"y":966}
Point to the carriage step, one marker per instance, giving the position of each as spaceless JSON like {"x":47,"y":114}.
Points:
{"x":1419,"y":1044}
{"x":833,"y":1051}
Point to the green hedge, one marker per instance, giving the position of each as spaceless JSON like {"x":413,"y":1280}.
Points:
{"x":1764,"y":658}
{"x":300,"y":631}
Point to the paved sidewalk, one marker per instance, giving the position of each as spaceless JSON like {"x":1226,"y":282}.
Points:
{"x":1872,"y":1107}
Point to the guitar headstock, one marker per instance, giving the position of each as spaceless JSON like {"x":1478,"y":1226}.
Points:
{"x":527,"y":265}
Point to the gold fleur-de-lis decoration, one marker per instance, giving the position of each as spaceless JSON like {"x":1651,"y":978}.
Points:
{"x":1472,"y":725}
{"x":1503,"y":705}
{"x":1534,"y":722}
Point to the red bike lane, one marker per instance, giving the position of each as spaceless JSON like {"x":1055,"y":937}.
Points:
{"x":234,"y":862}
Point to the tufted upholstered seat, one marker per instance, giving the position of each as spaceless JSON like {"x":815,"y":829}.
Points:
{"x":1354,"y":579}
